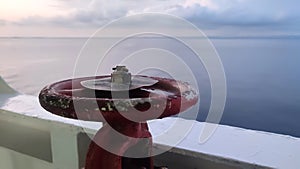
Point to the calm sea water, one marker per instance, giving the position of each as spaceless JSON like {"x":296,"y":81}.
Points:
{"x":263,"y":75}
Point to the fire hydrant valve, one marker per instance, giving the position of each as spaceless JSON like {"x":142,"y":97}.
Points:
{"x":167,"y":95}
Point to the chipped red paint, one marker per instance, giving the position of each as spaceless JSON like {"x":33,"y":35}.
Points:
{"x":69,"y":99}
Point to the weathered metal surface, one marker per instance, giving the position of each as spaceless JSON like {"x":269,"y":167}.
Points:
{"x":105,"y":84}
{"x":70,"y":99}
{"x":60,"y":98}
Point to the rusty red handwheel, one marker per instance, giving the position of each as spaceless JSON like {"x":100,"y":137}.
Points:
{"x":125,"y":105}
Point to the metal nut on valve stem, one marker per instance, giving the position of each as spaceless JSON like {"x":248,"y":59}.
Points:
{"x":121,"y":75}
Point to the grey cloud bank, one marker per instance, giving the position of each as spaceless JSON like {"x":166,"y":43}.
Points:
{"x":217,"y":17}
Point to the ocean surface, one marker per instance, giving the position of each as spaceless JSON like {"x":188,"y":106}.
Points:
{"x":263,"y":74}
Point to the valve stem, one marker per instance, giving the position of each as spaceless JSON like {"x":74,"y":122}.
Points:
{"x":121,"y":75}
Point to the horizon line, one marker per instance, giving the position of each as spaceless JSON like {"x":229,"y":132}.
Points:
{"x":209,"y":37}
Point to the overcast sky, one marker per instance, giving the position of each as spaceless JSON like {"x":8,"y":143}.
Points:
{"x":214,"y":17}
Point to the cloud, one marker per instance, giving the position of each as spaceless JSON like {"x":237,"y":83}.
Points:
{"x":207,"y":14}
{"x":236,"y":12}
{"x":219,"y":12}
{"x":80,"y":13}
{"x":282,"y":17}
